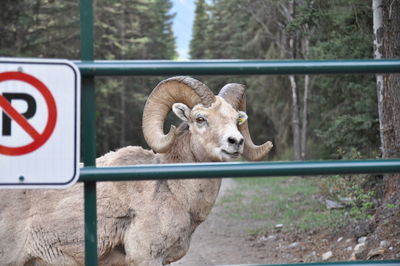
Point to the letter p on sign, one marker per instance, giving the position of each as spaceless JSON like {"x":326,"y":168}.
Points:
{"x":39,"y":123}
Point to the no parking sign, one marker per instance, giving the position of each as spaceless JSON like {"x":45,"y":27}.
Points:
{"x":39,"y":123}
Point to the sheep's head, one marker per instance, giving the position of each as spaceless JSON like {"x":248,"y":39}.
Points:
{"x":218,"y":124}
{"x":213,"y":129}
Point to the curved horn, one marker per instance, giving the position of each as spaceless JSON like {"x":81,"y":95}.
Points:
{"x":234,"y":94}
{"x":177,"y":89}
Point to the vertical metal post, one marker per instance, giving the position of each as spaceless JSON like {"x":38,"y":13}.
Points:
{"x":88,"y":103}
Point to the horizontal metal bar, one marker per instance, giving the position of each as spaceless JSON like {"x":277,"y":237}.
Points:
{"x":212,"y":170}
{"x":236,"y":67}
{"x":339,"y":263}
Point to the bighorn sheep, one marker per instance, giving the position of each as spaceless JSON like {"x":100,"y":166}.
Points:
{"x":143,"y":222}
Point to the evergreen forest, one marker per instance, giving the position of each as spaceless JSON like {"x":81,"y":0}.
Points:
{"x":306,"y":117}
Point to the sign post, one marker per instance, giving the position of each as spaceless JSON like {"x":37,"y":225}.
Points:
{"x":39,"y":123}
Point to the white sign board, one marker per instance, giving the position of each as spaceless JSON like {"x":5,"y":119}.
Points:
{"x":39,"y":123}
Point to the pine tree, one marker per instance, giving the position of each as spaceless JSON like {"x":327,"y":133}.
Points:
{"x":259,"y":29}
{"x":40,"y":28}
{"x":162,"y":40}
{"x":139,"y":29}
{"x":198,"y":42}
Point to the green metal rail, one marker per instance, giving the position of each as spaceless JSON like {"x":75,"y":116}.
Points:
{"x":342,"y":263}
{"x":264,"y":169}
{"x":90,"y":174}
{"x":88,"y":113}
{"x":236,"y":67}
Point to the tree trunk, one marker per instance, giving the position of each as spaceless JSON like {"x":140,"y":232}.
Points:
{"x":307,"y":92}
{"x":304,"y":123}
{"x":388,"y":215}
{"x":295,"y":98}
{"x":391,"y":97}
{"x":378,"y":31}
{"x":122,"y":136}
{"x":295,"y":119}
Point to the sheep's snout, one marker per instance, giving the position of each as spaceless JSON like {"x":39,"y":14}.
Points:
{"x":235,"y":141}
{"x":232,"y":145}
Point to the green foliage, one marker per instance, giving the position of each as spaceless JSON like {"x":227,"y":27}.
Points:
{"x":139,"y":29}
{"x":291,"y":202}
{"x":346,"y":28}
{"x":41,"y":28}
{"x":197,"y":45}
{"x":348,"y":117}
{"x":342,"y":111}
{"x":306,"y":14}
{"x":361,"y":201}
{"x":361,"y":193}
{"x":126,"y":29}
{"x":347,"y":134}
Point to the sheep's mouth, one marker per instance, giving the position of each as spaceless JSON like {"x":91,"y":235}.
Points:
{"x":231,"y":154}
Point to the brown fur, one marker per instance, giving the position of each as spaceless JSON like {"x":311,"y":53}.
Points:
{"x":139,"y":223}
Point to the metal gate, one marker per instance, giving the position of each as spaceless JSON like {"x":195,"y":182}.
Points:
{"x":90,"y":174}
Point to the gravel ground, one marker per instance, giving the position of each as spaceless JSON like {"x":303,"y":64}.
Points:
{"x":224,"y":241}
{"x":220,"y":240}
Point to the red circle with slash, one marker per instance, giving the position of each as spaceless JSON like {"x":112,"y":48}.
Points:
{"x":38,"y":138}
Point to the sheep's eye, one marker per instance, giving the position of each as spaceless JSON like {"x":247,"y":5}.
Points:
{"x":200,"y":120}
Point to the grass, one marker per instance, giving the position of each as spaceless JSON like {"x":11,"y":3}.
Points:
{"x":292,"y":202}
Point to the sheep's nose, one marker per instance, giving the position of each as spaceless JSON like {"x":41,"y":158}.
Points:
{"x":235,"y":141}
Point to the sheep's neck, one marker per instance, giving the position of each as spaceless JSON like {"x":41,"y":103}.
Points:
{"x":198,"y":195}
{"x":180,"y":152}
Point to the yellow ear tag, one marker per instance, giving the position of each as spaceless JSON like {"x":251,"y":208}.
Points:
{"x":241,"y":120}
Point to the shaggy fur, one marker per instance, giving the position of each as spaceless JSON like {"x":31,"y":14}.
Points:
{"x":139,"y":223}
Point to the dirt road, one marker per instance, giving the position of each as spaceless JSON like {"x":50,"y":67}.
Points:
{"x":220,"y":240}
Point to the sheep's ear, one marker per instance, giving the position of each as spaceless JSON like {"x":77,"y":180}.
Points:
{"x":182,"y":111}
{"x":242,"y":117}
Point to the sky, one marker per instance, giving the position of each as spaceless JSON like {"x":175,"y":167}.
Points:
{"x":182,"y":25}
